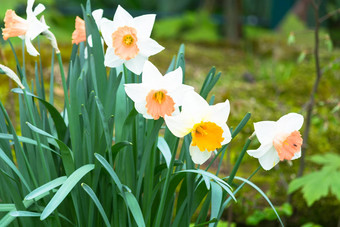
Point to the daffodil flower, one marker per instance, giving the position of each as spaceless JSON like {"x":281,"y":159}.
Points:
{"x":28,"y":29}
{"x":207,"y":125}
{"x":158,"y":95}
{"x":9,"y":72}
{"x":128,"y":40}
{"x":79,"y":34}
{"x":280,"y":140}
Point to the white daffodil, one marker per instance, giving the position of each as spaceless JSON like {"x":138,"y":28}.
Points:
{"x":128,"y":40}
{"x":207,"y":125}
{"x":280,"y":140}
{"x":158,"y":95}
{"x":12,"y":75}
{"x":79,"y":34}
{"x":28,"y":29}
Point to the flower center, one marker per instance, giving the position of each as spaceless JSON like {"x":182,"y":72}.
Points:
{"x":287,"y":144}
{"x":124,"y":41}
{"x":159,"y":104}
{"x":79,"y":34}
{"x":207,"y":136}
{"x":14,"y":25}
{"x":128,"y":40}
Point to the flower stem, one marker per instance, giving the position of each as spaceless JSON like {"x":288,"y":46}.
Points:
{"x":67,"y":103}
{"x":165,"y":189}
{"x":238,"y":161}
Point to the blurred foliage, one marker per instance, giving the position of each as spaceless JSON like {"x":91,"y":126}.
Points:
{"x":191,"y":26}
{"x":268,"y":214}
{"x":318,"y":184}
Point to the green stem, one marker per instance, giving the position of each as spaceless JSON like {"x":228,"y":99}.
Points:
{"x":41,"y":153}
{"x":15,"y":138}
{"x":235,"y":192}
{"x":238,"y":161}
{"x":67,"y":102}
{"x":165,"y":190}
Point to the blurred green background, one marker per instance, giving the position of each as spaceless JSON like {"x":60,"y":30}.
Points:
{"x":265,"y":71}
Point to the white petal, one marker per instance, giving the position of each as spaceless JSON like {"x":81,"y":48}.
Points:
{"x":107,"y":28}
{"x":35,"y":27}
{"x":150,"y":72}
{"x":198,"y":156}
{"x":97,"y":16}
{"x":149,"y":47}
{"x":136,"y":92}
{"x":12,"y":75}
{"x":122,"y":17}
{"x":140,"y":107}
{"x":297,"y":155}
{"x":226,"y":134}
{"x":262,"y":150}
{"x":270,"y":159}
{"x":136,"y":64}
{"x":112,"y":60}
{"x":30,"y":48}
{"x":180,"y":92}
{"x":38,"y":9}
{"x":194,"y":104}
{"x":218,"y":113}
{"x":290,"y":122}
{"x":174,"y":78}
{"x":265,"y":131}
{"x":179,"y":125}
{"x":144,"y":25}
{"x":29,"y":8}
{"x":86,"y":53}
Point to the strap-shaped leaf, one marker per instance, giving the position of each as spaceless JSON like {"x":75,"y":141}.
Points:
{"x":65,"y":189}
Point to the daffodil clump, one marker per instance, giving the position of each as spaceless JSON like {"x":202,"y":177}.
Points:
{"x":119,"y":133}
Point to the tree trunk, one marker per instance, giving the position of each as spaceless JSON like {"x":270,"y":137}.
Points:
{"x":232,"y":20}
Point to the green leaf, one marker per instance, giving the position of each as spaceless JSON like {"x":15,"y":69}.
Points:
{"x":66,"y":153}
{"x":263,"y":195}
{"x":109,"y":169}
{"x":95,"y":199}
{"x":65,"y":189}
{"x":165,"y":150}
{"x":216,"y":201}
{"x":7,"y":207}
{"x":28,"y":141}
{"x":45,"y":188}
{"x":5,"y":158}
{"x":133,"y":205}
{"x":104,"y":123}
{"x":59,"y":122}
{"x":24,"y":214}
{"x":218,"y":180}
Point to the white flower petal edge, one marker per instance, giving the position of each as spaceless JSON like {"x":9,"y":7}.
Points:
{"x":265,"y":131}
{"x":259,"y":152}
{"x":144,"y":24}
{"x":136,"y":64}
{"x":290,"y":122}
{"x":197,"y":156}
{"x":35,"y":26}
{"x":112,"y":60}
{"x":179,"y":125}
{"x":12,"y":75}
{"x":269,"y":159}
{"x":136,"y":92}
